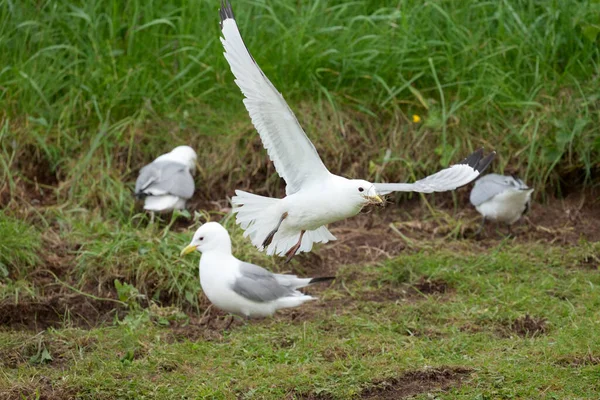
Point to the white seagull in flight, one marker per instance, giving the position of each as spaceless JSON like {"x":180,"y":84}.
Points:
{"x":314,"y":196}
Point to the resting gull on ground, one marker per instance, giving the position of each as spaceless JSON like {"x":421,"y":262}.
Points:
{"x":238,"y":287}
{"x":167,"y":182}
{"x":314,"y":196}
{"x":500,"y":198}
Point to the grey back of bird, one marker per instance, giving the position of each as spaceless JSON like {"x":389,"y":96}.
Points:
{"x":491,"y":185}
{"x":165,"y":178}
{"x":257,"y":284}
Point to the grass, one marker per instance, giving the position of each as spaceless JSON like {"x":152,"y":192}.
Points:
{"x":362,"y":337}
{"x":90,"y":91}
{"x":94,"y":89}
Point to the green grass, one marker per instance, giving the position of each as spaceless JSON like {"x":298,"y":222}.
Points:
{"x":341,"y":349}
{"x":93,"y":89}
{"x":90,"y":91}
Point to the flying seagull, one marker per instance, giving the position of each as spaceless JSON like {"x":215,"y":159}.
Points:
{"x":314,"y":196}
{"x":238,"y":287}
{"x":167,"y":182}
{"x":500,"y":198}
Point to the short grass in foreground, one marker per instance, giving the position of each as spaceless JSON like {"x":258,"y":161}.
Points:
{"x":464,"y":311}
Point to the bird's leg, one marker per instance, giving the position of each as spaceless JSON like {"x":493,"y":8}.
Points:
{"x":480,"y":227}
{"x":509,"y":230}
{"x":291,"y":252}
{"x":151,"y":217}
{"x":230,"y":322}
{"x":271,"y":234}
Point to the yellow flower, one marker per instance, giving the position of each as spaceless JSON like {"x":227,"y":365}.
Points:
{"x":416,"y":118}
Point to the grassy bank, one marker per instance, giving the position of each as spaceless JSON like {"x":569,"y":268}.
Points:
{"x":95,"y":301}
{"x":91,"y":90}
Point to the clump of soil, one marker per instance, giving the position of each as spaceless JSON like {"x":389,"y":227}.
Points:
{"x":59,"y":310}
{"x":590,"y":262}
{"x":527,"y":326}
{"x":413,"y":383}
{"x":427,"y":285}
{"x":580,"y":361}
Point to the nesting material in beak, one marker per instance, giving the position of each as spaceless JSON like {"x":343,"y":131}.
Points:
{"x":374,"y":199}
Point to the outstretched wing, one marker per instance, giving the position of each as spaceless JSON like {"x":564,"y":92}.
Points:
{"x":447,"y":179}
{"x":257,"y":284}
{"x":294,"y":156}
{"x":165,"y":177}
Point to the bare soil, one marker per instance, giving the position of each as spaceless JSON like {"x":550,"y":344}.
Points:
{"x":416,"y":382}
{"x":526,"y":326}
{"x":58,"y":310}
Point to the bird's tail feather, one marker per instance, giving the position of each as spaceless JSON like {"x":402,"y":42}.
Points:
{"x":258,"y":216}
{"x":163,"y":203}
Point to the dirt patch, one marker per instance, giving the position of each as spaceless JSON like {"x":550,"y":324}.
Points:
{"x":57,"y":311}
{"x":416,"y":382}
{"x":426,"y":285}
{"x":526,"y":326}
{"x":580,"y":361}
{"x":41,"y":388}
{"x":207,"y":327}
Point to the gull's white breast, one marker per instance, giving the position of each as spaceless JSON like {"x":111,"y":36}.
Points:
{"x":506,"y":207}
{"x":315,"y":206}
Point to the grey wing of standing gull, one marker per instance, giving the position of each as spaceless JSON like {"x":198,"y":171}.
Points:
{"x":489,"y":186}
{"x":258,"y":284}
{"x":165,"y":177}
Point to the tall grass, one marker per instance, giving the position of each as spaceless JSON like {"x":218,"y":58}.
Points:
{"x":83,"y":78}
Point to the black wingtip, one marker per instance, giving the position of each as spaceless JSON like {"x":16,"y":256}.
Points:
{"x":321,"y":279}
{"x":477,"y":161}
{"x":485,"y":162}
{"x":473,"y":158}
{"x":225,"y":11}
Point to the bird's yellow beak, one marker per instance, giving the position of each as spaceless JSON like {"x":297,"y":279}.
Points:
{"x":189,"y":249}
{"x":374,"y":199}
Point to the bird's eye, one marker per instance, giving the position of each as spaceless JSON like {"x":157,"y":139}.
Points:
{"x":361,"y":189}
{"x":201,"y":238}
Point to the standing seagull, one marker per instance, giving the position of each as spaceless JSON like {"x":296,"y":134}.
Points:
{"x":238,"y":287}
{"x":167,"y":182}
{"x":500,"y":198}
{"x":314,"y":196}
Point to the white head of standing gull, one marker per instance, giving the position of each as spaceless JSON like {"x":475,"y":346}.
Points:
{"x":500,"y":198}
{"x":167,"y":182}
{"x":314,"y":196}
{"x":238,"y":287}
